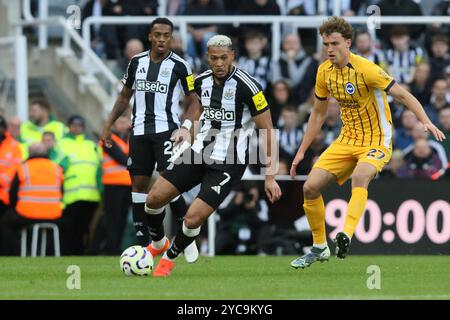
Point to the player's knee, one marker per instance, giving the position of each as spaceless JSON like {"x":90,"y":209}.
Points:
{"x":192,"y":221}
{"x":310,"y":191}
{"x":154,"y":200}
{"x":360,"y":180}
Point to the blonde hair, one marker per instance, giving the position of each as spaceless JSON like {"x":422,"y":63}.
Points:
{"x":220,"y":41}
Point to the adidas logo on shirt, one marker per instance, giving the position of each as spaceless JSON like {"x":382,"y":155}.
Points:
{"x":142,"y":70}
{"x":216,"y":189}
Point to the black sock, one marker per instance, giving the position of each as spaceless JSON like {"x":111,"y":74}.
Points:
{"x":179,"y":209}
{"x":180,"y":243}
{"x":141,"y":224}
{"x":156,"y":225}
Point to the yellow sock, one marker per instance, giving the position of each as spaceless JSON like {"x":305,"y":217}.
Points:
{"x":315,"y":212}
{"x":356,"y":208}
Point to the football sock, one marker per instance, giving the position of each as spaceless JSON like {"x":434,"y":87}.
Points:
{"x":184,"y":237}
{"x":315,"y":213}
{"x":179,"y":209}
{"x":155,"y":219}
{"x":139,"y":218}
{"x":159,"y":244}
{"x":355,"y":210}
{"x":320,"y":245}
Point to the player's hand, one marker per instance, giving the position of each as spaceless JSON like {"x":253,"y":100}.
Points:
{"x":180,"y":135}
{"x":298,"y":158}
{"x":438,"y":134}
{"x":272,"y":189}
{"x":106,"y":137}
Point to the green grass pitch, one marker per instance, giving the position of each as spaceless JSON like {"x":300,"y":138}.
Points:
{"x":230,"y":277}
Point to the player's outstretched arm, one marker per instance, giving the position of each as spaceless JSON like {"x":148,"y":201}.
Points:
{"x":192,"y":112}
{"x":121,"y":104}
{"x":407,"y":99}
{"x":264,"y":121}
{"x":315,"y":123}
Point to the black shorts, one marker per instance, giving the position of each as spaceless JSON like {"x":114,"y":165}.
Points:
{"x":216,"y":180}
{"x":148,"y":150}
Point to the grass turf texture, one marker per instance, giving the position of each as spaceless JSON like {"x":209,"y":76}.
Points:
{"x":230,"y":277}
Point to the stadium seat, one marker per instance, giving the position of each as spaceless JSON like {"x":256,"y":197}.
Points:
{"x":34,"y":240}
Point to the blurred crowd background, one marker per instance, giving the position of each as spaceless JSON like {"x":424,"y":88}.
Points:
{"x":416,"y":56}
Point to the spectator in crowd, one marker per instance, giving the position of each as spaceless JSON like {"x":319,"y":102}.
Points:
{"x":311,"y":7}
{"x":133,"y":8}
{"x":403,"y":135}
{"x":238,"y":230}
{"x":117,"y":194}
{"x":364,"y":48}
{"x":280,"y":97}
{"x":14,"y":124}
{"x":255,"y":61}
{"x":10,"y":156}
{"x":53,"y":150}
{"x":199,"y":34}
{"x":396,"y":167}
{"x":104,"y":39}
{"x":259,"y":8}
{"x":132,"y":48}
{"x":440,"y":57}
{"x":290,"y":134}
{"x":296,"y":68}
{"x":403,"y":57}
{"x":447,"y":76}
{"x":399,"y":8}
{"x":441,"y":8}
{"x":437,"y":148}
{"x":333,"y":123}
{"x":81,"y":186}
{"x":177,"y":47}
{"x":421,"y":86}
{"x":35,"y":196}
{"x":444,"y":124}
{"x":440,"y":98}
{"x":304,"y":109}
{"x":422,"y":162}
{"x":40,"y":121}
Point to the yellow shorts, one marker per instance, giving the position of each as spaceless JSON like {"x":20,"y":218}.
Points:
{"x":341,"y":159}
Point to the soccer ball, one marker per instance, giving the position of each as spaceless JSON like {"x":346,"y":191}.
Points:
{"x":137,"y":261}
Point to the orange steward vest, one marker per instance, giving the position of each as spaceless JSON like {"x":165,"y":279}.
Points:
{"x":10,"y":156}
{"x":40,"y":195}
{"x":113,"y":172}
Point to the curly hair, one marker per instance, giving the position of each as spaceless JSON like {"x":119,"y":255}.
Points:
{"x":339,"y":25}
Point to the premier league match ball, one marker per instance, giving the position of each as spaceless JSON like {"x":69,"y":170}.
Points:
{"x":137,"y":261}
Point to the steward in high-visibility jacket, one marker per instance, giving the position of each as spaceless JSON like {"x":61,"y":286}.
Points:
{"x":114,"y":162}
{"x":36,"y":190}
{"x":82,"y":183}
{"x":40,"y":121}
{"x":117,"y":194}
{"x":10,"y":156}
{"x":82,"y":177}
{"x":35,"y":196}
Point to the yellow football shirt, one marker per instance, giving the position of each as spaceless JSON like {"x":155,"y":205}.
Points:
{"x":360,"y":88}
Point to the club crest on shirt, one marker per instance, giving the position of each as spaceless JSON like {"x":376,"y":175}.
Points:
{"x":228,"y":95}
{"x":165,"y":73}
{"x":350,"y":88}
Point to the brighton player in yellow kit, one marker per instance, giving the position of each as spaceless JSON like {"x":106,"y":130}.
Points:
{"x":364,"y":145}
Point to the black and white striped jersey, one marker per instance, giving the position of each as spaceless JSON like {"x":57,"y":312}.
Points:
{"x":226,"y":121}
{"x":157,"y":90}
{"x":400,"y":63}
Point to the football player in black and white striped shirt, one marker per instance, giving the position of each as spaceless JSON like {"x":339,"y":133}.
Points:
{"x":233,"y":103}
{"x":157,"y":78}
